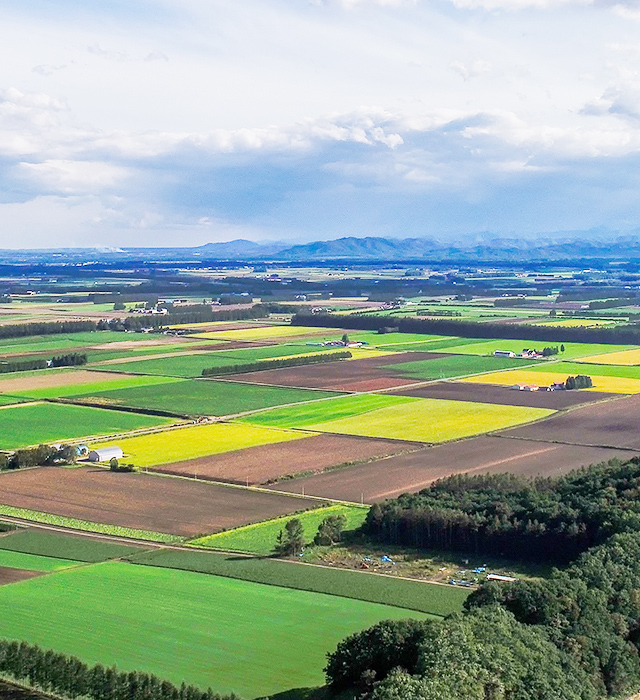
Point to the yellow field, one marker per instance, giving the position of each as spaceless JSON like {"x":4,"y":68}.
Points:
{"x":615,"y":385}
{"x":363,"y":353}
{"x":624,"y":357}
{"x":198,"y":441}
{"x":433,"y":420}
{"x":262,"y":333}
{"x":578,"y":322}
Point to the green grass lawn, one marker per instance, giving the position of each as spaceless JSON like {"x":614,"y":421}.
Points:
{"x":455,"y":366}
{"x":205,"y":397}
{"x":320,"y":411}
{"x":424,"y":597}
{"x":260,"y":538}
{"x":125,"y":381}
{"x":32,"y":424}
{"x":33,"y":562}
{"x":53,"y":544}
{"x":230,"y":634}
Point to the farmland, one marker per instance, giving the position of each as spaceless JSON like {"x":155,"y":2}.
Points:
{"x":34,"y":423}
{"x":601,"y":383}
{"x":448,"y":366}
{"x":203,"y":397}
{"x":32,"y":562}
{"x":572,"y":350}
{"x":624,"y":357}
{"x":179,"y":507}
{"x":192,"y":442}
{"x":260,"y":538}
{"x":266,"y":462}
{"x":257,"y":638}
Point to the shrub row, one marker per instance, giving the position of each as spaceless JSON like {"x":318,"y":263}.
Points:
{"x":311,"y":359}
{"x":19,"y":330}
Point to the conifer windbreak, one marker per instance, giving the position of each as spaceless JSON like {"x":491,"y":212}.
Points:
{"x":278,"y":363}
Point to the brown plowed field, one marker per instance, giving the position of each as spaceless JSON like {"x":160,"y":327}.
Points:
{"x":611,"y":424}
{"x":257,"y":465}
{"x":8,"y":575}
{"x":46,"y":380}
{"x":368,"y":374}
{"x":161,"y":504}
{"x":489,"y":393}
{"x":387,"y":478}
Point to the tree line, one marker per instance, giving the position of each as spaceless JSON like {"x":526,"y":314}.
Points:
{"x":19,"y":330}
{"x":69,"y":360}
{"x":38,"y":456}
{"x":277,"y":363}
{"x":68,"y":677}
{"x":628,"y":334}
{"x":543,"y":519}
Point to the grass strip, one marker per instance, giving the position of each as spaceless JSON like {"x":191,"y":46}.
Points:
{"x":33,"y":562}
{"x":75,"y":524}
{"x":430,"y":598}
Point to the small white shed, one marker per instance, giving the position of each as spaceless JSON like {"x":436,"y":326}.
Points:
{"x":104,"y":454}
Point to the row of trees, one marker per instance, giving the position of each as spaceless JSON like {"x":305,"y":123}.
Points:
{"x":69,"y":360}
{"x":38,"y":456}
{"x":278,"y":363}
{"x":69,"y":677}
{"x":20,"y":330}
{"x":507,"y":515}
{"x":580,"y":381}
{"x":629,"y":334}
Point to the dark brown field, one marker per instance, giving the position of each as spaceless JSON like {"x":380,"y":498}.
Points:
{"x":489,"y":393}
{"x":8,"y":575}
{"x":161,"y":504}
{"x":413,"y":471}
{"x":257,"y":465}
{"x":608,"y":424}
{"x":368,"y":374}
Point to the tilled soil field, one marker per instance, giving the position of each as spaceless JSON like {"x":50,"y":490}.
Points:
{"x":489,"y":393}
{"x":47,"y":381}
{"x":141,"y":501}
{"x":368,"y":374}
{"x":9,"y":575}
{"x":607,"y":424}
{"x":387,"y":478}
{"x":257,"y":465}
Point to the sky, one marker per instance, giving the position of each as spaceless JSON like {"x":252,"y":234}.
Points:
{"x":183,"y":122}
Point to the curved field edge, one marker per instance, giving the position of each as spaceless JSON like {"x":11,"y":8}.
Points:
{"x":429,"y":598}
{"x":85,"y":525}
{"x":260,"y":538}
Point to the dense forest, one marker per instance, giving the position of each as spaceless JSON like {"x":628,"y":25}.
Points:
{"x":507,"y":515}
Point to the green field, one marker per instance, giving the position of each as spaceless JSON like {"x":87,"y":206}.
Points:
{"x":33,"y":562}
{"x":478,"y":346}
{"x":319,"y":411}
{"x":455,"y":366}
{"x":124,"y":381}
{"x":414,"y":595}
{"x":64,"y":341}
{"x":433,"y":420}
{"x":53,"y":544}
{"x":205,"y":397}
{"x":260,"y":538}
{"x":573,"y":368}
{"x":9,"y":400}
{"x":229,"y":634}
{"x":32,"y":424}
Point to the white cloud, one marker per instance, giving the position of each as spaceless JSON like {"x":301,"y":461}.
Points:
{"x":72,"y":177}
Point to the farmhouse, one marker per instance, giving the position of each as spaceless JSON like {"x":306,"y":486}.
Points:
{"x":104,"y":454}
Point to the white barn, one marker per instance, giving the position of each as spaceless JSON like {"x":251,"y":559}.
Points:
{"x":104,"y":454}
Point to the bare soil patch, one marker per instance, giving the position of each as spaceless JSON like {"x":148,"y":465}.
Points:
{"x":8,"y":575}
{"x":257,"y":465}
{"x":48,"y":380}
{"x":142,"y":501}
{"x":489,"y":393}
{"x":608,"y":424}
{"x":411,"y":472}
{"x":368,"y":374}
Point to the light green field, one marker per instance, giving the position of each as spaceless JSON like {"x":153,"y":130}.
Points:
{"x":260,"y":538}
{"x":455,"y":366}
{"x":112,"y":383}
{"x":567,"y":368}
{"x":433,"y":420}
{"x":229,"y":634}
{"x":572,"y":350}
{"x":45,"y":343}
{"x":33,"y":562}
{"x":32,"y":424}
{"x":198,"y":441}
{"x":320,"y":411}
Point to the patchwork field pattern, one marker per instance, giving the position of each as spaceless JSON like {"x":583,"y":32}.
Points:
{"x":388,"y":478}
{"x":259,"y":639}
{"x":35,"y":423}
{"x":197,"y":441}
{"x":572,"y":350}
{"x":447,"y":366}
{"x":179,"y":507}
{"x":613,"y":385}
{"x":256,"y":465}
{"x":265,"y":333}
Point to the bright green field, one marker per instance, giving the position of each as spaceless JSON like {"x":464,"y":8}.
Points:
{"x":31,"y":424}
{"x":320,"y":411}
{"x":433,"y":420}
{"x":9,"y":400}
{"x":44,"y":343}
{"x":260,"y":538}
{"x":572,"y":350}
{"x":33,"y":562}
{"x":456,"y":366}
{"x":205,"y":397}
{"x":626,"y":371}
{"x":429,"y":598}
{"x":53,"y":544}
{"x":207,"y":630}
{"x":125,"y":381}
